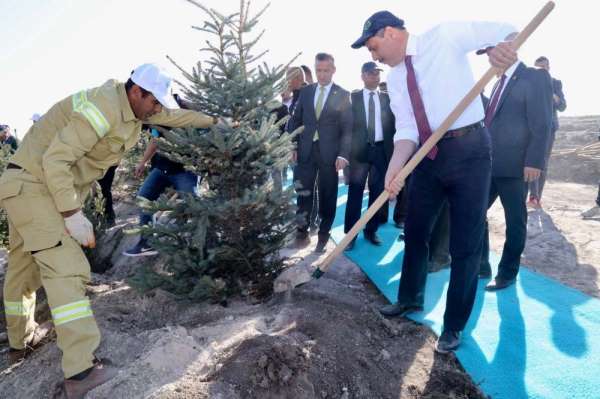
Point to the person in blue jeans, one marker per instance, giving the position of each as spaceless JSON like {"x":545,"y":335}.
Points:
{"x":164,"y":173}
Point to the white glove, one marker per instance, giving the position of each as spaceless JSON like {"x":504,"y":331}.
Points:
{"x":81,"y":229}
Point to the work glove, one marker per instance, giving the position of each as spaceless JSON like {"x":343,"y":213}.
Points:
{"x":81,"y":229}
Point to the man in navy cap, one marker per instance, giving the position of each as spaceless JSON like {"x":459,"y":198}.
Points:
{"x":372,"y":147}
{"x":430,"y":74}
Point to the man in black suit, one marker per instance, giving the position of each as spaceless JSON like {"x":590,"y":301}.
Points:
{"x":519,"y":117}
{"x":373,"y":131}
{"x":323,"y":147}
{"x":558,"y":104}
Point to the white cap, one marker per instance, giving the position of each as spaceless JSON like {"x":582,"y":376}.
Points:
{"x":35,"y":117}
{"x":152,"y":78}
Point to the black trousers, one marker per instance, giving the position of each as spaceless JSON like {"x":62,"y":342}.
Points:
{"x":106,"y":186}
{"x":439,"y":243}
{"x":461,"y":175}
{"x":305,"y":173}
{"x":401,"y":208}
{"x":536,"y":187}
{"x":375,"y":169}
{"x":512,"y":193}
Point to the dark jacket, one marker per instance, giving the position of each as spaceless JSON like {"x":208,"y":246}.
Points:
{"x":334,"y":124}
{"x":12,"y":142}
{"x":562,"y":103}
{"x":359,"y":127}
{"x":521,"y":126}
{"x":283,"y":111}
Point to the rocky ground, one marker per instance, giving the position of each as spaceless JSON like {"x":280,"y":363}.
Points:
{"x":324,"y":339}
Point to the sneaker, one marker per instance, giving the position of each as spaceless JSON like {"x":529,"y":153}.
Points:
{"x":534,"y":203}
{"x":140,"y":249}
{"x":448,"y":341}
{"x":591,"y":213}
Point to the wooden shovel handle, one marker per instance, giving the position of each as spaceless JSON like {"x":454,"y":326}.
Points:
{"x":435,"y":137}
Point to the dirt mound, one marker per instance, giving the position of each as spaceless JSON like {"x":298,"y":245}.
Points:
{"x":272,"y":365}
{"x":324,"y":340}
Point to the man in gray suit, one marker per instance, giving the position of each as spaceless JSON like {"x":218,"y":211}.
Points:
{"x":519,"y":117}
{"x":323,"y":147}
{"x":372,"y":147}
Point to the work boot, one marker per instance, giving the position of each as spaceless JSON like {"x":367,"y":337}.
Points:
{"x":95,"y":376}
{"x":41,"y":332}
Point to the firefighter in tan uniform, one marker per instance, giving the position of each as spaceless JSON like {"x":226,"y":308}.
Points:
{"x":43,"y":190}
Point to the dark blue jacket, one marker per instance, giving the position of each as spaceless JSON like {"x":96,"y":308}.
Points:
{"x":334,"y":124}
{"x":562,"y":103}
{"x":522,"y":124}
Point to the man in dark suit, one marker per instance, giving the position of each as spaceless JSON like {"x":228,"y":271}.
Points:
{"x":323,"y":147}
{"x":519,"y":117}
{"x":289,"y":98}
{"x":558,"y":104}
{"x":373,"y":131}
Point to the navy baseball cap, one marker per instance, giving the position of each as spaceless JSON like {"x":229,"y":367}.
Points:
{"x":370,"y":67}
{"x":377,"y":21}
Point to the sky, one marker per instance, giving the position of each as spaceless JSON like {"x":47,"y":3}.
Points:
{"x":50,"y":49}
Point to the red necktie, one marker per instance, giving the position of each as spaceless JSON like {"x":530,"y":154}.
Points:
{"x":417,"y":105}
{"x":491,"y":109}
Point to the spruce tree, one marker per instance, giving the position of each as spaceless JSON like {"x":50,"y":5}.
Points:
{"x":226,"y":239}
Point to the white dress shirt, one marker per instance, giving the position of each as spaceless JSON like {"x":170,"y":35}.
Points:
{"x":443,"y":74}
{"x":378,"y":128}
{"x":318,"y":90}
{"x":288,"y":103}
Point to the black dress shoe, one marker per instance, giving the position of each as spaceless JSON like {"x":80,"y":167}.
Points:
{"x":373,"y":238}
{"x":484,"y":274}
{"x":351,"y":245}
{"x":321,"y":244}
{"x":448,"y":341}
{"x":398,"y":309}
{"x":438,"y":263}
{"x":485,"y":271}
{"x":301,"y":241}
{"x":499,"y":283}
{"x":401,"y":237}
